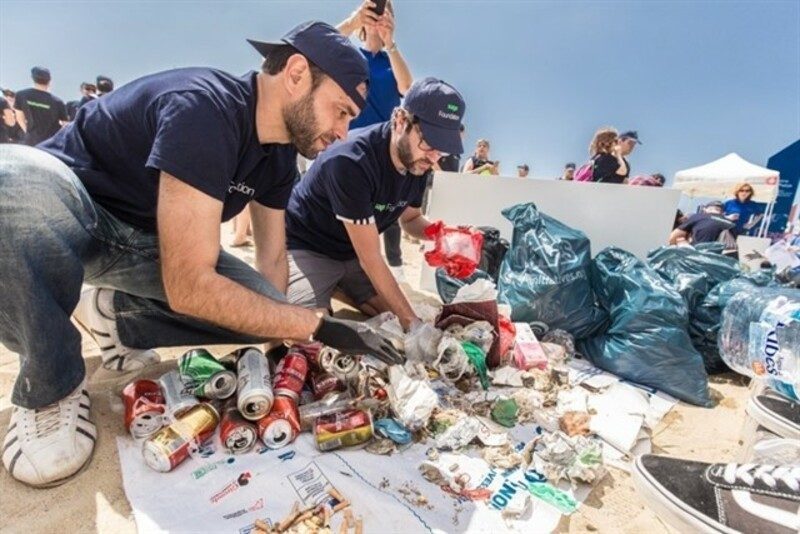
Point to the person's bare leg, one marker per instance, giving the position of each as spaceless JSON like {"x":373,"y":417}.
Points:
{"x":242,"y":225}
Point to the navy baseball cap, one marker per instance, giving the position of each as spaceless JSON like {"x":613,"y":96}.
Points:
{"x":328,"y":49}
{"x":40,"y":73}
{"x":630,"y":135}
{"x":440,"y":110}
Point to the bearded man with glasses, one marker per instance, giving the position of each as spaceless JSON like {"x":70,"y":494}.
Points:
{"x":360,"y":187}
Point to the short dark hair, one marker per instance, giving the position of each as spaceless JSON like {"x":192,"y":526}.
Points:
{"x":277,"y":58}
{"x":104,"y":84}
{"x":9,"y":93}
{"x":40,"y":79}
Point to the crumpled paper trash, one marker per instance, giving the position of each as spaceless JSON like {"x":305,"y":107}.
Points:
{"x":459,"y":434}
{"x":412,"y":400}
{"x":504,"y":457}
{"x":452,"y":362}
{"x":578,"y":459}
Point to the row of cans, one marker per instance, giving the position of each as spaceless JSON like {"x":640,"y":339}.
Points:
{"x":261,"y":408}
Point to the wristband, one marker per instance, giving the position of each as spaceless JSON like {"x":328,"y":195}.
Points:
{"x":392,"y":49}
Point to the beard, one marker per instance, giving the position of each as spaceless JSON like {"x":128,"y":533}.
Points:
{"x":406,"y":156}
{"x":302,"y":126}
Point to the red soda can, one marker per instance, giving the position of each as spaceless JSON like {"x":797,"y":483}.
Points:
{"x":290,"y":374}
{"x":312,"y":352}
{"x":323,"y":382}
{"x":236,"y":433}
{"x":282,"y":425}
{"x":144,"y":408}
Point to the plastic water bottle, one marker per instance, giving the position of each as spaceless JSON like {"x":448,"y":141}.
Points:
{"x":760,"y":337}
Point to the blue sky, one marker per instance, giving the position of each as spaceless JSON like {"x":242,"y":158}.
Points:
{"x":696,"y":79}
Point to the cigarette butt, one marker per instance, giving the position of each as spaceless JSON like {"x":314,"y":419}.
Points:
{"x":261,"y":524}
{"x":341,"y":506}
{"x":333,"y":492}
{"x":305,"y":515}
{"x":359,"y":525}
{"x":344,"y":527}
{"x":326,"y":516}
{"x":348,"y":516}
{"x":290,"y":519}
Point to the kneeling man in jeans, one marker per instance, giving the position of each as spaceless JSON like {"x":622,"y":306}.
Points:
{"x":357,"y":189}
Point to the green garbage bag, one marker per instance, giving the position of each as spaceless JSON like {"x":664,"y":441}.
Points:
{"x":694,"y":273}
{"x":545,"y":275}
{"x":647,"y":341}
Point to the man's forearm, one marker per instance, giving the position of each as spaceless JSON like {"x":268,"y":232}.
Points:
{"x":401,"y":71}
{"x":219,"y":300}
{"x":385,"y":284}
{"x":416,"y":227}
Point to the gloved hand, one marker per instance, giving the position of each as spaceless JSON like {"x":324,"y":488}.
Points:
{"x":352,"y":337}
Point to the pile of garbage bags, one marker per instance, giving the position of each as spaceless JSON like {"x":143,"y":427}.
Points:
{"x":647,"y":341}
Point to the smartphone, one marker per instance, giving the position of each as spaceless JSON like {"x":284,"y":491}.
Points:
{"x":380,"y":7}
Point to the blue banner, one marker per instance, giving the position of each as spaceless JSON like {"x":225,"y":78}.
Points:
{"x":786,"y":162}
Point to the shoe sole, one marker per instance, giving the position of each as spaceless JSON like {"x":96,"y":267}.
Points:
{"x":770,"y":421}
{"x":673,"y":511}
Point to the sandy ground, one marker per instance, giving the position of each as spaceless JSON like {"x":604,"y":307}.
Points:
{"x":95,"y":499}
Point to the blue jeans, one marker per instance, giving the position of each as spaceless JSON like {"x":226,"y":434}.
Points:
{"x":53,"y":238}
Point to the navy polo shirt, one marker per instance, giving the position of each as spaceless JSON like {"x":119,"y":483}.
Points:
{"x":382,"y":95}
{"x":353,"y":181}
{"x":197,"y":124}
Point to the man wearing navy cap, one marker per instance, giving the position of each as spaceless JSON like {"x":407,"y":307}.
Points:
{"x":129,"y":198}
{"x":359,"y":188}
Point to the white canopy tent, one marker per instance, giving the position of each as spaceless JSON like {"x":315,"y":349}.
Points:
{"x":718,"y":178}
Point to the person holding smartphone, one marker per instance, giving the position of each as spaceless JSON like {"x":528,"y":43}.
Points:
{"x":389,"y":79}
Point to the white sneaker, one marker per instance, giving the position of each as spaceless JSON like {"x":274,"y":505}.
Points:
{"x":46,"y":446}
{"x":103,"y":329}
{"x":398,"y":274}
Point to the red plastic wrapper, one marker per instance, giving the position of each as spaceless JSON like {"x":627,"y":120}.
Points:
{"x":507,"y":334}
{"x":457,"y":249}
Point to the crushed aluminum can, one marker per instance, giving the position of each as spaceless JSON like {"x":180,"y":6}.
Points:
{"x":282,"y":425}
{"x":322,"y":383}
{"x":144,"y":408}
{"x":171,"y":445}
{"x":177,"y":397}
{"x":254,"y":395}
{"x":206,"y":375}
{"x":343,"y":429}
{"x":342,"y":366}
{"x":236,"y":433}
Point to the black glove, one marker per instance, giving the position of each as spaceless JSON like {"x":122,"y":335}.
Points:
{"x":352,"y":337}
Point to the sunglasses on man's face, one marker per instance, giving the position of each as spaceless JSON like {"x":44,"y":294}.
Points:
{"x":745,"y":190}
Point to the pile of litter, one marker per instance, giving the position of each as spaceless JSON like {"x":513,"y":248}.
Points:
{"x":484,"y":418}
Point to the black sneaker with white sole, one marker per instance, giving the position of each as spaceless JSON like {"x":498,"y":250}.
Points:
{"x":700,"y":497}
{"x":776,"y":413}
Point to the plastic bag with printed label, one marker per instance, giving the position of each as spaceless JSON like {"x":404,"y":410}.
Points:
{"x":545,"y":275}
{"x":647,"y":341}
{"x":760,"y":337}
{"x":456,"y":248}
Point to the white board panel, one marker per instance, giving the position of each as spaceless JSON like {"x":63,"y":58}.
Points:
{"x":634,"y":218}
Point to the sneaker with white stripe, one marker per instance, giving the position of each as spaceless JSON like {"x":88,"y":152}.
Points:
{"x":103,"y":329}
{"x":46,"y":446}
{"x":701,"y":497}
